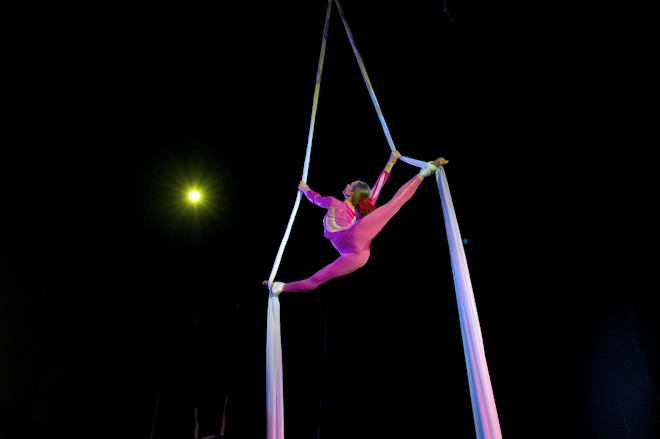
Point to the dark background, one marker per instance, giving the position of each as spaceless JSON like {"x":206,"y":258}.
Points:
{"x":116,"y":294}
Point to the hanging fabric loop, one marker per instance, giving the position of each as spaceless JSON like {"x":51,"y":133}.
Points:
{"x":483,"y":403}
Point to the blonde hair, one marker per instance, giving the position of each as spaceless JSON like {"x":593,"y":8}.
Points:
{"x":361,"y":190}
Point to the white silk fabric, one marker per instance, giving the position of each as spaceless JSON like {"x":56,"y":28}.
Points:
{"x":274,"y":377}
{"x":486,"y":421}
{"x":274,"y":391}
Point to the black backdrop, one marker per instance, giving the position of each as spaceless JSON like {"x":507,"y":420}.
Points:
{"x":115,"y":290}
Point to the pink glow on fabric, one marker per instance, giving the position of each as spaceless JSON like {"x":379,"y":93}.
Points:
{"x":486,"y":421}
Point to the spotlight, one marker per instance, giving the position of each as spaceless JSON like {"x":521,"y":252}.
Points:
{"x":194,"y":196}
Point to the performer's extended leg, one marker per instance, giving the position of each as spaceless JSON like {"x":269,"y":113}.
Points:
{"x":343,"y":265}
{"x":368,"y":227}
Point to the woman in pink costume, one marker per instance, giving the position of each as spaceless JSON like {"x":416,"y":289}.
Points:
{"x":351,"y":224}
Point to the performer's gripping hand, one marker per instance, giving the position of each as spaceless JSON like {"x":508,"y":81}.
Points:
{"x":394,"y":157}
{"x":303,"y":187}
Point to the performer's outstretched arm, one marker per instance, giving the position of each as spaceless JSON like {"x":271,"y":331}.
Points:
{"x":382,"y":178}
{"x":315,"y":197}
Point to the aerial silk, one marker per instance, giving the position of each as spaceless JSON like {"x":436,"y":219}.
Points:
{"x":486,"y":421}
{"x":274,"y":376}
{"x":483,"y":402}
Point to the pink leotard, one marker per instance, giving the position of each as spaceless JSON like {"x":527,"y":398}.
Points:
{"x":351,"y":235}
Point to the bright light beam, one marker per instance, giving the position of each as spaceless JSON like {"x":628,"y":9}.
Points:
{"x":194,"y":196}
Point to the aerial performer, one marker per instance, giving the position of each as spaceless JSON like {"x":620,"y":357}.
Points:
{"x":352,"y":224}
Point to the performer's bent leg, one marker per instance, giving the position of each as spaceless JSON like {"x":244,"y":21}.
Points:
{"x":368,"y":227}
{"x":343,"y":265}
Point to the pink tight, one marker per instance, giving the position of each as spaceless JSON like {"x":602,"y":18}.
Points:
{"x":354,"y":243}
